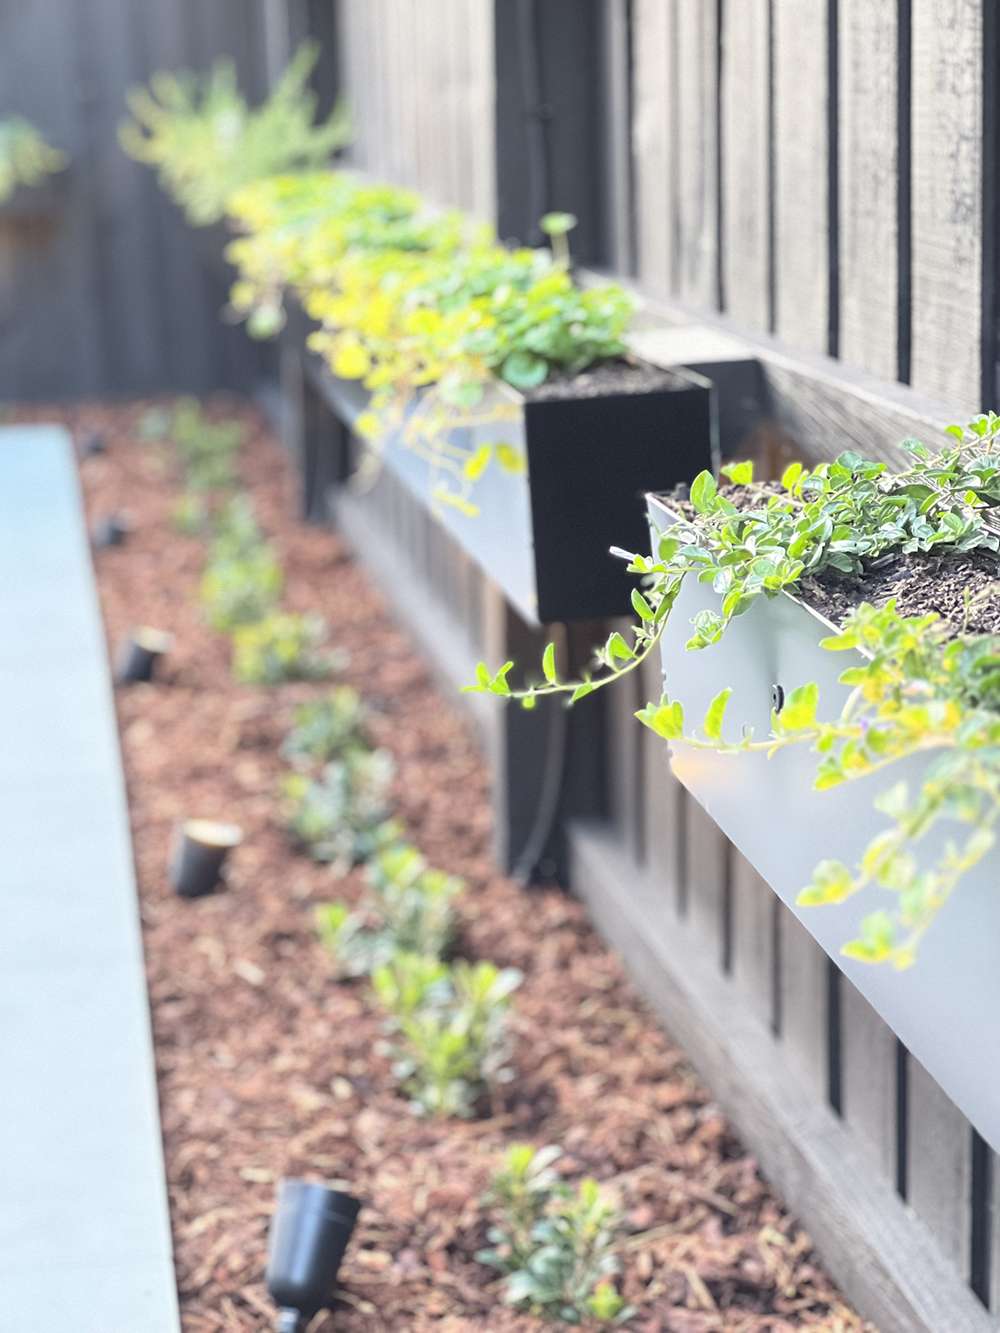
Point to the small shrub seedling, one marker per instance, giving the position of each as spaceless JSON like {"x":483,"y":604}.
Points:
{"x":241,"y":590}
{"x":207,"y":449}
{"x":554,"y":1245}
{"x":409,"y":908}
{"x":282,"y":646}
{"x":327,"y":728}
{"x":921,"y":688}
{"x":344,"y":815}
{"x":450,"y":1025}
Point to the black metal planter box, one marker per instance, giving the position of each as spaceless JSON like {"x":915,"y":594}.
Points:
{"x":543,"y":532}
{"x":944,"y":1007}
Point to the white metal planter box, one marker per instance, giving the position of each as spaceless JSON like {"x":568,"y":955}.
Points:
{"x":946,"y":1007}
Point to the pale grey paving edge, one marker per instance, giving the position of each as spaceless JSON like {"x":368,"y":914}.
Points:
{"x":84,"y":1221}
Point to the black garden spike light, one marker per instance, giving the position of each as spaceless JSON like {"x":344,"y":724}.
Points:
{"x":140,"y":654}
{"x":93,"y":444}
{"x":200,"y":850}
{"x":112,"y":530}
{"x":310,"y":1231}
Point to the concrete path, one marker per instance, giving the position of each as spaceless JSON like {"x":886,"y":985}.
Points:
{"x":84,"y":1228}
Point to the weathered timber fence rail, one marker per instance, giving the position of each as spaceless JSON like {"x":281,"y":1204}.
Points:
{"x":806,"y":192}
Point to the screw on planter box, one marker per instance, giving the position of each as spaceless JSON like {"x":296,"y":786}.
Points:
{"x":309,"y":1234}
{"x":200,"y":852}
{"x":112,"y":530}
{"x":140,"y":654}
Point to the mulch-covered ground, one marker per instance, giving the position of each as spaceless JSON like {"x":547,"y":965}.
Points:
{"x":267,"y":1066}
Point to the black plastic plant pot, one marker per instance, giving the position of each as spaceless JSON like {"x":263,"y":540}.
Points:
{"x":585,"y":453}
{"x":141,"y":653}
{"x":113,"y":530}
{"x":199,"y":858}
{"x":310,"y":1231}
{"x":769,"y":808}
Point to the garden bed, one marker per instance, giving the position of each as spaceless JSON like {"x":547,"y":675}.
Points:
{"x":268,"y":1066}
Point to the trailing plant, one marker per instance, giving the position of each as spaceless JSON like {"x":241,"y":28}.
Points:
{"x":428,"y":313}
{"x":344,"y":815}
{"x":281,"y":646}
{"x":205,"y":142}
{"x":408,"y":909}
{"x":450,"y":1024}
{"x":920,"y":687}
{"x":26,"y":158}
{"x":327,"y":728}
{"x":555,"y":1246}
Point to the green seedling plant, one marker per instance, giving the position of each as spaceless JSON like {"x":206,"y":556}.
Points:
{"x":917,"y":686}
{"x":344,"y":815}
{"x":205,"y":142}
{"x":191,"y":515}
{"x":241,"y":590}
{"x":450,"y":1029}
{"x":408,"y":908}
{"x":26,"y":158}
{"x":207,"y":449}
{"x":282,"y":646}
{"x":327,"y":728}
{"x":554,"y":1245}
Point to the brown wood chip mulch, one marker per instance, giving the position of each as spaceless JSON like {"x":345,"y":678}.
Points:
{"x":267,"y":1066}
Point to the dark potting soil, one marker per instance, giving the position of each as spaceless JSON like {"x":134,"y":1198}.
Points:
{"x":605,"y":380}
{"x":920,"y":583}
{"x":268,"y":1066}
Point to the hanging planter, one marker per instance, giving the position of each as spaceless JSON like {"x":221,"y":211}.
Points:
{"x":539,"y":485}
{"x":200,"y":852}
{"x":140,"y":655}
{"x":771,"y":810}
{"x":309,"y":1234}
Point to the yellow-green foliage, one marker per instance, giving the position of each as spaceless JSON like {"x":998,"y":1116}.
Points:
{"x":205,"y":141}
{"x":25,"y":157}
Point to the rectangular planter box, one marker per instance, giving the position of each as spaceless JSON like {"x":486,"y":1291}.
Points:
{"x":543,"y":533}
{"x":944,"y":1007}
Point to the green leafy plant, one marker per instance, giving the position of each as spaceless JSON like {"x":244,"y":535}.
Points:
{"x":207,"y":449}
{"x":205,"y":142}
{"x":241,"y":590}
{"x":327,"y":728}
{"x":344,"y":815}
{"x":450,"y":1023}
{"x":921,"y":687}
{"x":409,"y":908}
{"x":281,"y":646}
{"x":555,"y":1246}
{"x":25,"y":156}
{"x":191,"y":515}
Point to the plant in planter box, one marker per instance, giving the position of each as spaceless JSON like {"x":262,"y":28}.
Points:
{"x":408,"y":909}
{"x":282,"y":646}
{"x":204,"y":141}
{"x":451,"y":1028}
{"x":207,"y":448}
{"x":923,"y":686}
{"x":26,"y":158}
{"x":327,"y":728}
{"x":555,"y":1246}
{"x":344,"y":815}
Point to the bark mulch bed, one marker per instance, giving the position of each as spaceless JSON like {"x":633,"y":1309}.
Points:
{"x":267,"y":1066}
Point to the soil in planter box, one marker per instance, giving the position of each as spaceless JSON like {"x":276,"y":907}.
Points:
{"x":267,"y":1066}
{"x":605,"y":380}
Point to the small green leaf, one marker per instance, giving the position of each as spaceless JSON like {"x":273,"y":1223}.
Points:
{"x":557,"y":224}
{"x":799,"y":709}
{"x":791,"y":475}
{"x":618,"y":649}
{"x":549,"y":664}
{"x":524,"y":370}
{"x":641,"y":607}
{"x":716,"y":713}
{"x":740,"y":474}
{"x":832,"y":882}
{"x":703,"y":492}
{"x":582,"y":690}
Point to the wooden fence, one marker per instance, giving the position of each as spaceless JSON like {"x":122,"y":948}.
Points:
{"x":814,"y":179}
{"x":109,"y":295}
